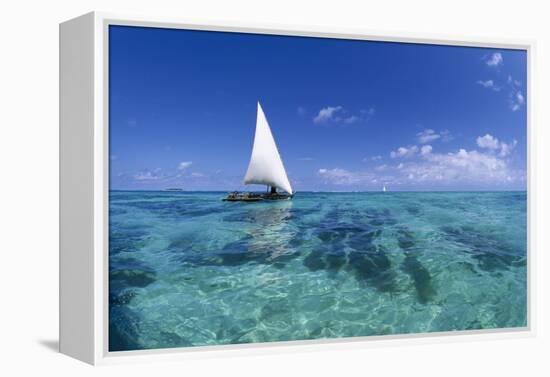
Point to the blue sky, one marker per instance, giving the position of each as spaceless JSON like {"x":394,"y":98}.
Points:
{"x":346,"y":115}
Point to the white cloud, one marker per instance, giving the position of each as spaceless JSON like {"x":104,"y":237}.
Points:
{"x":513,"y":82}
{"x":489,"y":84}
{"x":426,"y":136}
{"x":327,"y":113}
{"x":404,"y":152}
{"x":351,"y":119}
{"x":426,"y":149}
{"x":519,"y":98}
{"x":337,"y":114}
{"x":515,"y":96}
{"x":145,"y":176}
{"x":461,"y":167}
{"x":305,"y":159}
{"x":488,"y":142}
{"x":493,"y":144}
{"x":506,"y":149}
{"x":339,"y":176}
{"x":486,"y":84}
{"x":494,"y":60}
{"x":184,"y":165}
{"x":487,"y":167}
{"x":197,"y":175}
{"x":465,"y":167}
{"x":516,"y":100}
{"x":149,"y":175}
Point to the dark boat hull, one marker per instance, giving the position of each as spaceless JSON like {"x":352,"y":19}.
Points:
{"x":255,"y":197}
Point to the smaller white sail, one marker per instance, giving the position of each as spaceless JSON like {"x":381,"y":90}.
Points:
{"x":384,"y":188}
{"x":266,"y":166}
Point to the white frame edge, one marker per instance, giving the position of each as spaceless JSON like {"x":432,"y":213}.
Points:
{"x":84,"y":117}
{"x":76,"y":167}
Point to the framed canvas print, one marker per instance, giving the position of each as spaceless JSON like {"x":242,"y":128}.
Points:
{"x":226,"y":187}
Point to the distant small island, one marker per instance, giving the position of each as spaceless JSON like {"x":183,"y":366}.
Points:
{"x":173,"y":189}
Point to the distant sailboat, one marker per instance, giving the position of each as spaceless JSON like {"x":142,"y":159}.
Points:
{"x":384,"y":188}
{"x":265,"y":166}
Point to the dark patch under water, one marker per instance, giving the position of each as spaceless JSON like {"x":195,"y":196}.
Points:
{"x":123,"y":329}
{"x":414,"y":268}
{"x":351,"y":247}
{"x":491,"y":252}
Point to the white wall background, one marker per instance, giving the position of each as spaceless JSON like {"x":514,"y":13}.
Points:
{"x":29,"y":184}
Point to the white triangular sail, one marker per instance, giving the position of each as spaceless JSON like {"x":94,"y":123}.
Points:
{"x":266,"y":166}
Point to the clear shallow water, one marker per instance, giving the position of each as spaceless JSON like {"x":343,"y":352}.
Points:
{"x":187,"y":269}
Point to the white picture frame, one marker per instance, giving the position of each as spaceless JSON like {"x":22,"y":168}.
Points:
{"x":84,"y":167}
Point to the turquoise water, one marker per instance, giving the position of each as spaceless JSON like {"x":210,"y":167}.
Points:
{"x":187,"y":269}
